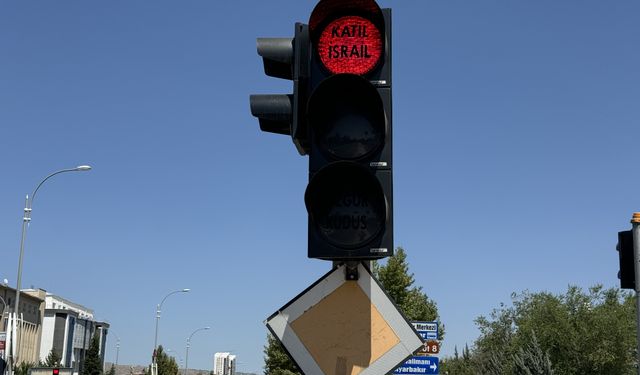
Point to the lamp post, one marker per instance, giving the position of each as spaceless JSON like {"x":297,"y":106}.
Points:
{"x":154,"y":364}
{"x":186,"y":358}
{"x":15,"y":341}
{"x":117,"y":347}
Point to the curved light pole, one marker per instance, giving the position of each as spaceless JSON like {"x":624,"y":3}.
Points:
{"x":186,"y":358}
{"x":25,"y":223}
{"x":154,"y":365}
{"x":117,"y":346}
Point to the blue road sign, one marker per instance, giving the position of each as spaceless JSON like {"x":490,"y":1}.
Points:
{"x":427,"y":330}
{"x":418,"y":366}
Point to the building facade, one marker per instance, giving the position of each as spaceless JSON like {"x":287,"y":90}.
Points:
{"x":30,"y":311}
{"x":67,"y":330}
{"x":224,"y":364}
{"x":49,"y":323}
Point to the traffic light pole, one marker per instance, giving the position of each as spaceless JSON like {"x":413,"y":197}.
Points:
{"x":635,"y":221}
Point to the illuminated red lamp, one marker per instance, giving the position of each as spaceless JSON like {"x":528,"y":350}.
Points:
{"x":56,"y":371}
{"x":350,"y":44}
{"x":348,"y":36}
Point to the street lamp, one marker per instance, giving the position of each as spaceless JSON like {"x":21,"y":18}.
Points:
{"x":117,"y":347}
{"x":186,"y":358}
{"x":25,"y":223}
{"x":154,"y":364}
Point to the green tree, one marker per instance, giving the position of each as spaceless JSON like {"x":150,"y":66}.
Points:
{"x":276,"y":360}
{"x":112,"y":370}
{"x":92,"y":362}
{"x":396,"y":280}
{"x":493,"y":354}
{"x":573,"y":333}
{"x":23,"y":368}
{"x":166,"y":365}
{"x":52,"y":360}
{"x":458,"y":365}
{"x":532,"y":360}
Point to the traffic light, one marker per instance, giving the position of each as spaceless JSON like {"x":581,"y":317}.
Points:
{"x":284,"y":113}
{"x":349,"y":198}
{"x":627,"y":274}
{"x":55,"y":371}
{"x":340,"y":115}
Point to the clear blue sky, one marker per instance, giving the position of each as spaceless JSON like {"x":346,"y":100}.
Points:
{"x":516,"y":126}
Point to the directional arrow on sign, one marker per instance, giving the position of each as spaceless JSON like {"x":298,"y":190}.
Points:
{"x":418,"y":366}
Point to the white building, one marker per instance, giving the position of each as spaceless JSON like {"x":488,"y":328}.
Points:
{"x":67,"y":329}
{"x":224,"y":364}
{"x":54,"y":302}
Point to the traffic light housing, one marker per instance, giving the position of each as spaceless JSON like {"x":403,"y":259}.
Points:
{"x":350,"y":193}
{"x":285,"y":58}
{"x":340,"y":114}
{"x":627,"y":274}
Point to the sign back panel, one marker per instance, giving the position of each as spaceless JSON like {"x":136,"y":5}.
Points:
{"x":341,"y":327}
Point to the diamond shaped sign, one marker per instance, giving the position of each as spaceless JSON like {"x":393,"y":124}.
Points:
{"x":344,"y":327}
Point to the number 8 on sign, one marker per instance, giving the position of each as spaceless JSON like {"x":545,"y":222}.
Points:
{"x":431,"y":347}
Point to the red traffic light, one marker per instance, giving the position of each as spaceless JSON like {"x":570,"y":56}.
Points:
{"x":350,"y":44}
{"x":348,"y":36}
{"x":56,"y":371}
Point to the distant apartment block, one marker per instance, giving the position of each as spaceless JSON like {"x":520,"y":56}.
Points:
{"x":224,"y":364}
